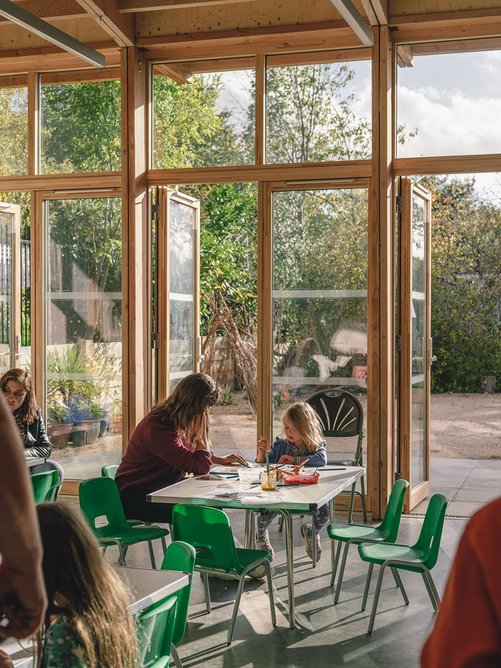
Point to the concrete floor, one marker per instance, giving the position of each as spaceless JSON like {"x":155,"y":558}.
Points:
{"x":326,"y":635}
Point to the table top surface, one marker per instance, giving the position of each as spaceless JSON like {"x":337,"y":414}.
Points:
{"x":34,"y":461}
{"x":228,"y":492}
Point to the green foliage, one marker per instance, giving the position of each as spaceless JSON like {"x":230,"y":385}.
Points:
{"x":13,"y":132}
{"x":229,"y":399}
{"x":58,"y":412}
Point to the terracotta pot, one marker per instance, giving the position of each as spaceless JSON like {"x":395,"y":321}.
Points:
{"x":85,"y":432}
{"x":59,"y":433}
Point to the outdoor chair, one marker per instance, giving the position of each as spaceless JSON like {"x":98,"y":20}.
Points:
{"x":180,"y":557}
{"x":155,"y":628}
{"x":46,"y":485}
{"x":418,"y":558}
{"x":342,"y":416}
{"x":350,"y":534}
{"x":209,"y":531}
{"x":99,"y":498}
{"x":109,"y":471}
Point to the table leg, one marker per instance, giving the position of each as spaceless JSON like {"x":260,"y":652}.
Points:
{"x":250,"y":529}
{"x":289,"y":553}
{"x":332,"y":519}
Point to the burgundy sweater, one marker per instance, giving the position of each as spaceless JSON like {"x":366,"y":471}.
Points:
{"x":156,"y":457}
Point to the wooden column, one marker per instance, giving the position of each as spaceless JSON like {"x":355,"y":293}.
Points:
{"x":381,"y":417}
{"x":135,"y":239}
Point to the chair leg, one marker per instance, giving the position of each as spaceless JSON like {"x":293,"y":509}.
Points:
{"x":367,"y":586}
{"x":376,"y":598}
{"x":341,"y":572}
{"x":400,"y":585}
{"x":431,"y":589}
{"x":205,"y":579}
{"x":281,"y":524}
{"x":164,"y":545}
{"x":236,"y":605}
{"x":352,"y":502}
{"x":152,"y":555}
{"x":270,"y":593}
{"x":313,"y":540}
{"x":335,"y":562}
{"x":122,"y":551}
{"x":175,"y":656}
{"x":363,"y":498}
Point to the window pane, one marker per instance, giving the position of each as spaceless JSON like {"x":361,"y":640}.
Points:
{"x":84,"y":332}
{"x":13,"y":130}
{"x":80,"y":127}
{"x":319,"y":294}
{"x":208,"y":120}
{"x":447,"y":103}
{"x":318,"y":112}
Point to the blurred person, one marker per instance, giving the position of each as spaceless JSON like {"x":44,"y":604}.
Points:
{"x":22,"y":593}
{"x":467,"y":631}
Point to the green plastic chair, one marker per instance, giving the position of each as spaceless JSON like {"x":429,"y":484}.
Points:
{"x":209,"y":531}
{"x":46,"y":485}
{"x":350,"y":534}
{"x":99,"y":498}
{"x":109,"y":471}
{"x":155,"y":628}
{"x":418,"y":558}
{"x":180,"y":557}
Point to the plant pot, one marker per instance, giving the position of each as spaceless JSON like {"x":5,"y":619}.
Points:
{"x":59,"y":433}
{"x":105,"y":423}
{"x":85,"y":432}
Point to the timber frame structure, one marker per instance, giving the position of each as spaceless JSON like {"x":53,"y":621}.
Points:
{"x":131,"y":34}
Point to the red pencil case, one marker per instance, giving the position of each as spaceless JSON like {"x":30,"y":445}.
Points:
{"x":298,"y":479}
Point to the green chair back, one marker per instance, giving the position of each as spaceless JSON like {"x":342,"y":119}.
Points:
{"x":46,"y":485}
{"x":109,"y":471}
{"x":155,"y":630}
{"x":209,"y":531}
{"x":391,"y":521}
{"x":99,"y":497}
{"x":430,"y":536}
{"x":180,"y":557}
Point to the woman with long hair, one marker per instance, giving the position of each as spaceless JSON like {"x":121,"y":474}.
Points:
{"x":171,"y":441}
{"x":88,"y":623}
{"x":17,"y":388}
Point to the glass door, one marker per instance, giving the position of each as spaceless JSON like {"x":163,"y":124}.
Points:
{"x":178,"y":269}
{"x":10,"y":287}
{"x":415,"y":340}
{"x":319,"y":287}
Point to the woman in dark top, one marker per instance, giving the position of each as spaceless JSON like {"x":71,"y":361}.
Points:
{"x":171,"y":441}
{"x":18,"y":391}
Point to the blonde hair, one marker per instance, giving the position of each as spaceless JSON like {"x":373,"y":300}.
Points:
{"x":187,"y":408}
{"x":83,"y":588}
{"x":307,"y":423}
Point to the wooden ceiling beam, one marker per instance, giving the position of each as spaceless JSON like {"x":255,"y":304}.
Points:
{"x":355,"y":20}
{"x":50,"y":58}
{"x":377,"y":11}
{"x":127,"y":6}
{"x":119,"y":27}
{"x":51,"y":11}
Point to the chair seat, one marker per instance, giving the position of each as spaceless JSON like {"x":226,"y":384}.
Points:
{"x":355,"y":532}
{"x":247,"y":556}
{"x":379,"y":553}
{"x":130,"y":535}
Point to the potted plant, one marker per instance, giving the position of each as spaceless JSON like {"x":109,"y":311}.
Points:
{"x":87,"y":415}
{"x":59,"y":423}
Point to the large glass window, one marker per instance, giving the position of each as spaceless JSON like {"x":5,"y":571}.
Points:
{"x":203,"y":116}
{"x":80,"y":126}
{"x":13,"y":129}
{"x":317,"y":111}
{"x":319,"y":294}
{"x":84,"y":332}
{"x":448,"y":103}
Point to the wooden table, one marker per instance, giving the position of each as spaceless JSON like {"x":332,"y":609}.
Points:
{"x":34,"y":461}
{"x":232,"y":493}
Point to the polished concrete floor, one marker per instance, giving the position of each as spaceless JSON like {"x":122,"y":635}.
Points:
{"x":326,"y":635}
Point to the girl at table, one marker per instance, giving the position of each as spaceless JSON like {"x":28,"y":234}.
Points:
{"x":88,"y":623}
{"x":303,"y":442}
{"x":17,"y":388}
{"x":171,"y":441}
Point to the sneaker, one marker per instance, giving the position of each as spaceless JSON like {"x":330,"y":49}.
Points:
{"x":258,"y":573}
{"x":306,"y":532}
{"x":264,"y":544}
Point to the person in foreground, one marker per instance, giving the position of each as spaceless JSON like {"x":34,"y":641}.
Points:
{"x":88,"y":623}
{"x":171,"y":441}
{"x":467,"y":631}
{"x":22,"y":593}
{"x":303,"y":443}
{"x":17,"y":388}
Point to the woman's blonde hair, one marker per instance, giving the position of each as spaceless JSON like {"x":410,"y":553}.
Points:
{"x":83,"y":588}
{"x":187,"y":408}
{"x":307,"y":423}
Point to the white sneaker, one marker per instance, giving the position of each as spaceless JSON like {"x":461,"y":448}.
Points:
{"x":306,"y":532}
{"x":264,"y":544}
